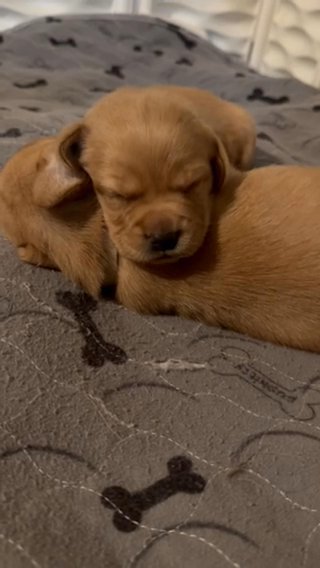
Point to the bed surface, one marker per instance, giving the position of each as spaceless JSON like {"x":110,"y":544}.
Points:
{"x":129,"y":441}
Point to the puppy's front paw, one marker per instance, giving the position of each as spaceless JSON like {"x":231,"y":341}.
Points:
{"x":28,"y":253}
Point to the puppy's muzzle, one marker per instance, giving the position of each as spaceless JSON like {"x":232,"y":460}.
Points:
{"x":165,"y":242}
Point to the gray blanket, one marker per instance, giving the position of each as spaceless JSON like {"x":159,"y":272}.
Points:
{"x":130,"y":441}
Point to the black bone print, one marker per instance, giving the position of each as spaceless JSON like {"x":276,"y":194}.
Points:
{"x":184,"y":61}
{"x":11,"y":133}
{"x":187,"y":42}
{"x":30,"y":108}
{"x":53,"y":20}
{"x":258,"y":95}
{"x":32,"y":84}
{"x":100,"y":90}
{"x":264,"y":136}
{"x":130,"y":506}
{"x":96,"y":350}
{"x":57,"y":42}
{"x":316,"y":108}
{"x":116,"y":71}
{"x":158,"y":52}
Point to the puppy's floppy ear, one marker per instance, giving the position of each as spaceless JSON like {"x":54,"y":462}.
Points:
{"x":58,"y":174}
{"x":219,"y":165}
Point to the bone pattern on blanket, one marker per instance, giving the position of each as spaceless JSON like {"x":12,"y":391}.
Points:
{"x":246,"y":414}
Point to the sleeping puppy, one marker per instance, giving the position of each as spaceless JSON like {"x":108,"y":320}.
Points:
{"x":196,"y":237}
{"x":146,"y":141}
{"x":49,"y":211}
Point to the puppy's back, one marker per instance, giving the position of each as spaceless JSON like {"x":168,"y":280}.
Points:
{"x":231,"y":122}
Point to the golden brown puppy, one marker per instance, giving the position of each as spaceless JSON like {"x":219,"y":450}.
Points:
{"x":257,"y":270}
{"x":196,"y":237}
{"x":50,"y":213}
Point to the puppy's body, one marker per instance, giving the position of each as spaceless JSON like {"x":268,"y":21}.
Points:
{"x":258,"y":269}
{"x":196,"y":237}
{"x":53,"y":228}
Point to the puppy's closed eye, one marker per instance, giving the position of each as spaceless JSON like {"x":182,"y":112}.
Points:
{"x":188,"y":187}
{"x":116,"y":196}
{"x":123,"y":197}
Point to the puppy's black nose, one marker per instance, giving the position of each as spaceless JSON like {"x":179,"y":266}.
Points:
{"x":165,"y":242}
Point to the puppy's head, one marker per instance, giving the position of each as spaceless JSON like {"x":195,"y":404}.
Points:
{"x":49,"y":211}
{"x":155,"y":168}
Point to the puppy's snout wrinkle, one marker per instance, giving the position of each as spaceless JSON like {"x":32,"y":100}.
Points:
{"x":165,"y":242}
